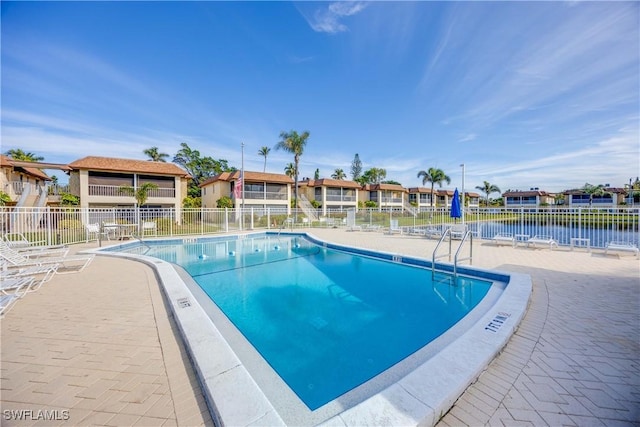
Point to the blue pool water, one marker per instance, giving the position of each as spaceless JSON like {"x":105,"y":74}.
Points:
{"x":325,"y":320}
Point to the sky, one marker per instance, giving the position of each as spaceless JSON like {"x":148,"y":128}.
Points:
{"x":524,"y":94}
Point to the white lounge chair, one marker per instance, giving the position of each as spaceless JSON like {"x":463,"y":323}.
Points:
{"x":542,"y":240}
{"x":504,"y":238}
{"x":40,"y":273}
{"x":432,"y":231}
{"x":18,"y":240}
{"x":622,"y":247}
{"x":18,"y":259}
{"x":372,"y":227}
{"x":457,"y":231}
{"x":393,"y":227}
{"x":6,"y":302}
{"x":16,"y":285}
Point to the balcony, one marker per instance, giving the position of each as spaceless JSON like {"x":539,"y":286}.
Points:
{"x":338,"y":198}
{"x":116,"y":191}
{"x":264,"y":195}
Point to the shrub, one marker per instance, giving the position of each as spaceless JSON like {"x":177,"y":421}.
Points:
{"x":224,"y":202}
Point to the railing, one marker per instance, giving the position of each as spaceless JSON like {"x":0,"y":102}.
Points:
{"x":18,"y":187}
{"x":599,"y":225}
{"x":337,"y":198}
{"x":264,"y":195}
{"x":116,"y":191}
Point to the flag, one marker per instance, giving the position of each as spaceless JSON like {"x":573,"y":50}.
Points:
{"x":237,"y":190}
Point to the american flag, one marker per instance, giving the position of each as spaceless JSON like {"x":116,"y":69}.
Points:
{"x":237,"y":190}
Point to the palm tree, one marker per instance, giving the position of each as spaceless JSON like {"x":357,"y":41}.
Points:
{"x":155,"y":155}
{"x":290,"y":170}
{"x":294,"y":144}
{"x":488,"y":188}
{"x":593,"y":190}
{"x":264,"y":151}
{"x":141,"y":195}
{"x":18,"y":154}
{"x":338,"y":174}
{"x":434,"y":176}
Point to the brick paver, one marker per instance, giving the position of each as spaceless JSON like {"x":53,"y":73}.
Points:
{"x":101,"y":345}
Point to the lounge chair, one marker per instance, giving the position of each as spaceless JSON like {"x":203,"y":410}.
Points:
{"x":393,"y":227}
{"x":504,"y":238}
{"x":16,"y":285}
{"x":6,"y":302}
{"x":542,"y":240}
{"x":622,"y":247}
{"x":432,"y":231}
{"x":354,"y":227}
{"x":18,"y":240}
{"x":372,"y":227}
{"x":94,"y":232}
{"x":40,"y":273}
{"x":18,"y":259}
{"x":457,"y":231}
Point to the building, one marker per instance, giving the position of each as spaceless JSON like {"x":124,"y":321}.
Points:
{"x":386,"y":196}
{"x":331,"y":193}
{"x":533,"y":198}
{"x":260,"y":190}
{"x":25,"y":185}
{"x":98,"y":181}
{"x":611,"y":197}
{"x":421,"y":197}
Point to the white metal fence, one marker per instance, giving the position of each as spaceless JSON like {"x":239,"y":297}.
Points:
{"x":69,"y":225}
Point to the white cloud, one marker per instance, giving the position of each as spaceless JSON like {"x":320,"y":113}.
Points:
{"x":328,"y":19}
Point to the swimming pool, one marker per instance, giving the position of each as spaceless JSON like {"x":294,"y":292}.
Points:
{"x":358,"y":314}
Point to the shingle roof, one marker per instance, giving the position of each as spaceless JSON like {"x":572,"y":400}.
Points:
{"x":327,"y":182}
{"x":128,"y":165}
{"x":250,"y":176}
{"x":375,"y":187}
{"x":7,"y":161}
{"x":526,"y":193}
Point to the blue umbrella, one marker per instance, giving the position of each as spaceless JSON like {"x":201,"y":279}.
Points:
{"x":455,"y":205}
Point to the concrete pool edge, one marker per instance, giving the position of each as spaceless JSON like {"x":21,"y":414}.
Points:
{"x":422,"y":397}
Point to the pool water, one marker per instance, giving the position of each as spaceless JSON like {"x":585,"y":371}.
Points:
{"x":325,"y":320}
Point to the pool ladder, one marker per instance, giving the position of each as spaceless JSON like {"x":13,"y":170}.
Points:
{"x":466,"y":236}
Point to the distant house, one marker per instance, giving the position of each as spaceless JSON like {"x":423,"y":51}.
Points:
{"x":421,"y":197}
{"x":260,"y":190}
{"x":25,"y":185}
{"x":473,"y":199}
{"x":97,"y":181}
{"x":612,"y":197}
{"x":331,"y":193}
{"x":527,"y":199}
{"x":386,"y":195}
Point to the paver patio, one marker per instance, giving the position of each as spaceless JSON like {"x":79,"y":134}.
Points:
{"x":100,"y":348}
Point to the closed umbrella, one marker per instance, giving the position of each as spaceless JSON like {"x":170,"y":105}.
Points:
{"x":455,"y":206}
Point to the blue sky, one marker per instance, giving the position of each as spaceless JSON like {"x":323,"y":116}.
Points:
{"x":525,"y":94}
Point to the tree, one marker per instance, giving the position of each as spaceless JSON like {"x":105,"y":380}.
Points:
{"x":316,"y":174}
{"x":488,"y":188}
{"x":373,"y":176}
{"x":224,"y":202}
{"x":200,"y":168}
{"x":141,"y":193}
{"x":434,"y":176}
{"x":294,"y":143}
{"x":338,"y":174}
{"x":593,"y":190}
{"x":290,"y":170}
{"x":18,"y":154}
{"x":264,"y":151}
{"x":155,"y":155}
{"x":356,"y":168}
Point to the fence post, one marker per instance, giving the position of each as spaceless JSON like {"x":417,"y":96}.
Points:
{"x":268,"y":218}
{"x":226,"y":220}
{"x":252,"y":218}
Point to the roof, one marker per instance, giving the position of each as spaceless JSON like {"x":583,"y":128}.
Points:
{"x":615,"y":190}
{"x":327,"y":182}
{"x":8,"y":162}
{"x":128,"y":165}
{"x":375,"y":187}
{"x":250,"y":176}
{"x":527,"y":193}
{"x":420,"y":190}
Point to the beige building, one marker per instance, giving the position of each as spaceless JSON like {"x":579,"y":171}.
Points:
{"x":331,"y":193}
{"x":261,"y":190}
{"x":98,"y":181}
{"x":386,"y":195}
{"x":532,"y":198}
{"x":26,"y":186}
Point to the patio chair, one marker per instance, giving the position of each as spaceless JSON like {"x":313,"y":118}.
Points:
{"x":372,"y":227}
{"x":457,"y":231}
{"x":622,"y":247}
{"x":17,"y":259}
{"x":18,"y":240}
{"x":542,"y":240}
{"x":432,"y":231}
{"x":504,"y":238}
{"x":94,"y":232}
{"x":150,"y":227}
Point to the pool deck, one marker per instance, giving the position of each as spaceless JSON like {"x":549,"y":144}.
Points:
{"x":100,"y":347}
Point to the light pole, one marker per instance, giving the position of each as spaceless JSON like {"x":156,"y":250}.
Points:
{"x":242,"y":189}
{"x":463,"y":198}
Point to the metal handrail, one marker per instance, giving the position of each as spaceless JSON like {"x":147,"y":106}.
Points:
{"x":446,"y":233}
{"x":470,"y":257}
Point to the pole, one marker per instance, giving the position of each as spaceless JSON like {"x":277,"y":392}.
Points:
{"x":462,"y":213}
{"x":242,"y":189}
